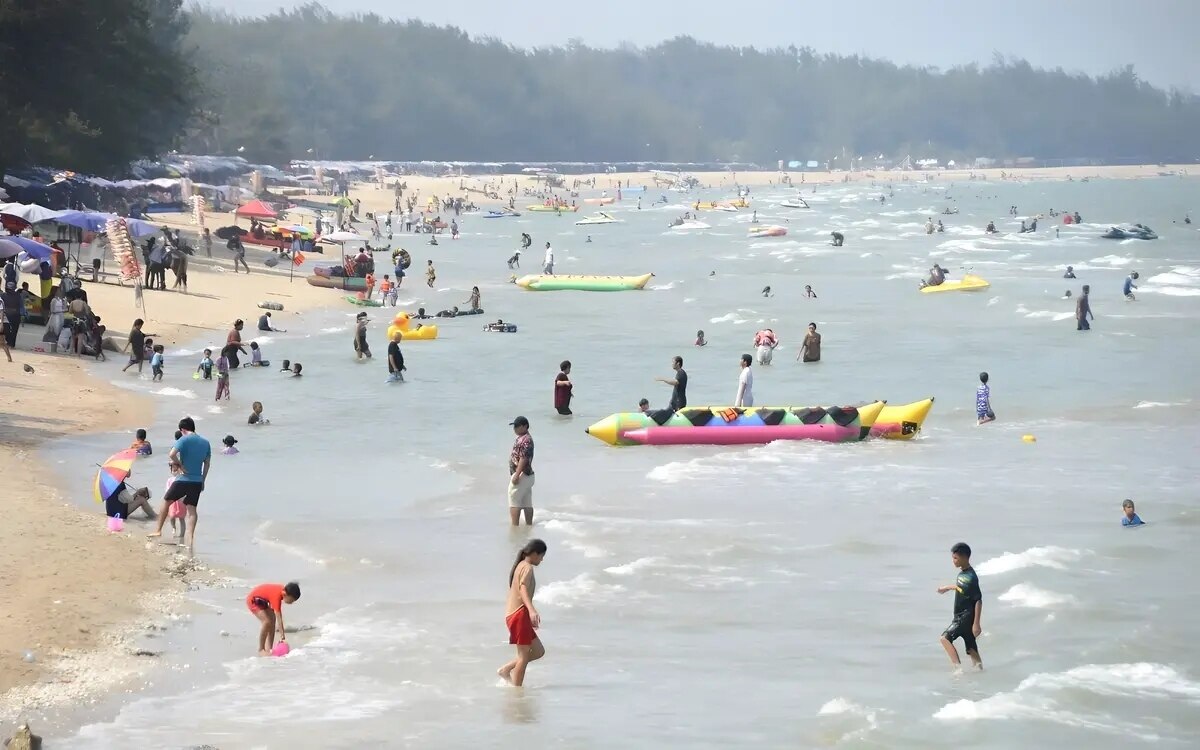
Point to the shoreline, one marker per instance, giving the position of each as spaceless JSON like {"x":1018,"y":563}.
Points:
{"x":78,"y":597}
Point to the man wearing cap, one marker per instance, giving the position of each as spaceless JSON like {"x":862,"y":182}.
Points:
{"x":520,"y":469}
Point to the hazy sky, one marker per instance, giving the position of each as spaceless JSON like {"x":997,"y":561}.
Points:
{"x":1093,"y":36}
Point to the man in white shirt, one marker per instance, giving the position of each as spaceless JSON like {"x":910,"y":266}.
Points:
{"x":745,"y":391}
{"x":548,"y":266}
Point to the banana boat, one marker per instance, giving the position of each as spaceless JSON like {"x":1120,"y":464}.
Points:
{"x":901,"y":422}
{"x":558,"y":283}
{"x":968,"y":283}
{"x":728,"y":425}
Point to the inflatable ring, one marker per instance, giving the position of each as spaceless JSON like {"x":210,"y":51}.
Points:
{"x":402,"y":258}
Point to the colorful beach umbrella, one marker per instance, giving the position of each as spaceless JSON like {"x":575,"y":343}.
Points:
{"x":112,"y":472}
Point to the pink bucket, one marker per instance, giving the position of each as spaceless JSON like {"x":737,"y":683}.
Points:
{"x":115,"y":524}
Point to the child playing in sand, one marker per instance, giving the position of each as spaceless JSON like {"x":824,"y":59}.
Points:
{"x":156,"y":362}
{"x":229,"y":441}
{"x":266,"y":603}
{"x":141,"y":445}
{"x":256,"y":414}
{"x":222,"y":377}
{"x":430,"y":274}
{"x":205,"y":368}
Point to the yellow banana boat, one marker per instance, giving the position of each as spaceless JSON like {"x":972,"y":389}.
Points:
{"x":968,"y":283}
{"x":901,"y":422}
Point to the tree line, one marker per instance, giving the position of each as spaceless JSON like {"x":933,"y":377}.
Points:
{"x":128,"y":79}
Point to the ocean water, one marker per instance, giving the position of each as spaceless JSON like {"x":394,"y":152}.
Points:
{"x":774,"y":596}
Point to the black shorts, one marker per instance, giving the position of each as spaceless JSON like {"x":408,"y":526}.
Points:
{"x":960,"y":627}
{"x":188,"y":492}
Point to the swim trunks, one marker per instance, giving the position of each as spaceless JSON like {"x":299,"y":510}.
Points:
{"x":520,"y":628}
{"x":960,"y":627}
{"x":188,"y":492}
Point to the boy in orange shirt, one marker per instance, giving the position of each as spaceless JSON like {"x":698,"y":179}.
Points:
{"x":266,"y":603}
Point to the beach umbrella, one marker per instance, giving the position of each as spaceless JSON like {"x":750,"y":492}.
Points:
{"x":32,"y":248}
{"x":229,"y":232}
{"x":340,"y":237}
{"x":31,"y":213}
{"x":9,"y":249}
{"x":297,"y":229}
{"x":343,"y":201}
{"x":302,"y":211}
{"x":112,"y":472}
{"x":91,"y":221}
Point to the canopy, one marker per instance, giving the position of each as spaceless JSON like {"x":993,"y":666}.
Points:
{"x":31,"y":212}
{"x":255,"y":210}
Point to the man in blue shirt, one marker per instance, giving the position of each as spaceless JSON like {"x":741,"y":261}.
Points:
{"x":1131,"y":517}
{"x":194,"y":454}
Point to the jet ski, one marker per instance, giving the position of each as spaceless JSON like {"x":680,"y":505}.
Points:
{"x":1136,"y":232}
{"x":794,"y":203}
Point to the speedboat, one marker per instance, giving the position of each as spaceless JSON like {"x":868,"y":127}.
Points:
{"x":794,"y":203}
{"x":600,"y":218}
{"x":1136,"y":232}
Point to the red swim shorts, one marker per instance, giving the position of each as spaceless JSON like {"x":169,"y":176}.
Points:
{"x":520,"y":628}
{"x":257,"y":604}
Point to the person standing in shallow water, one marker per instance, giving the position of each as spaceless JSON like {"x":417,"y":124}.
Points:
{"x":810,"y":350}
{"x":563,"y":388}
{"x":968,"y":608}
{"x":521,"y":617}
{"x":520,"y":470}
{"x":1083,"y":311}
{"x":745,"y":391}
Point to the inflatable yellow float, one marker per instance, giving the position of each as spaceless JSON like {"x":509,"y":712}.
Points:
{"x":404,"y":325}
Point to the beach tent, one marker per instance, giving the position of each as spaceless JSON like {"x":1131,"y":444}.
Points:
{"x":255,"y":210}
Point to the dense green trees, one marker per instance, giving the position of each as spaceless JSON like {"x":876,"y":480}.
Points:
{"x":348,"y":87}
{"x":91,"y":84}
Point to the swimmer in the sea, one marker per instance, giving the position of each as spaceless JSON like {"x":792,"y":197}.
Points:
{"x":808,"y":292}
{"x":983,"y":401}
{"x":766,"y":292}
{"x":644,"y":406}
{"x":1070,"y":274}
{"x":838,"y":239}
{"x":968,"y":607}
{"x":700,"y":341}
{"x":1067,"y":294}
{"x":1131,"y":517}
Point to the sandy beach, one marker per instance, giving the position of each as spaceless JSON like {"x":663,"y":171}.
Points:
{"x":70,"y":588}
{"x":471,"y":187}
{"x":68,"y":585}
